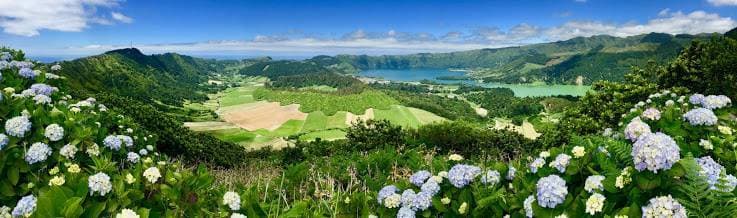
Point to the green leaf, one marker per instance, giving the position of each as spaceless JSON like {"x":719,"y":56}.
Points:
{"x":13,"y":175}
{"x":72,"y":207}
{"x":94,"y":210}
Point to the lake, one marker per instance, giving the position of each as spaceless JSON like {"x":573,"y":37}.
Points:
{"x":520,"y":90}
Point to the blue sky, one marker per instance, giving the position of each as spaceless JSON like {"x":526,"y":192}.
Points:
{"x":304,"y":28}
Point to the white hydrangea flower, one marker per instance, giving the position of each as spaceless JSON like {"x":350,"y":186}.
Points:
{"x":238,"y":215}
{"x":127,"y":213}
{"x":623,"y":178}
{"x":99,"y":183}
{"x":455,"y":157}
{"x":57,"y":181}
{"x":68,"y":151}
{"x":233,"y":200}
{"x":152,"y":174}
{"x":54,"y":132}
{"x":725,"y":130}
{"x":706,"y":144}
{"x":393,"y":201}
{"x":578,"y":151}
{"x":133,"y":157}
{"x":129,"y":178}
{"x":593,"y":183}
{"x":544,"y":154}
{"x":595,"y":204}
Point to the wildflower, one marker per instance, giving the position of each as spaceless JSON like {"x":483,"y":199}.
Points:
{"x":537,"y":164}
{"x":38,"y":152}
{"x":386,"y":192}
{"x":152,"y":174}
{"x":651,"y":114}
{"x":112,"y":142}
{"x":126,"y":213}
{"x":623,"y":178}
{"x":238,"y":215}
{"x":393,"y":201}
{"x":407,"y":197}
{"x":511,"y":172}
{"x":93,"y":150}
{"x":3,"y":140}
{"x":422,"y":201}
{"x":25,"y":207}
{"x":700,"y":117}
{"x":405,"y":212}
{"x":528,"y":206}
{"x":233,"y":200}
{"x":129,"y":178}
{"x":74,"y":168}
{"x":635,"y":128}
{"x":551,"y":191}
{"x":664,"y":206}
{"x":593,"y":183}
{"x":461,"y":175}
{"x":27,"y":73}
{"x":491,"y":178}
{"x":68,"y":151}
{"x":578,"y":151}
{"x":419,"y":177}
{"x":561,"y":162}
{"x":100,"y":183}
{"x":595,"y":204}
{"x":455,"y":157}
{"x":706,"y":144}
{"x":431,"y":187}
{"x":655,"y":151}
{"x":463,"y":208}
{"x":18,"y":126}
{"x":725,"y":130}
{"x":133,"y":157}
{"x":54,"y":132}
{"x":445,"y":200}
{"x":57,"y":181}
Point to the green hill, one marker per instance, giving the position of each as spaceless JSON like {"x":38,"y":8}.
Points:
{"x":169,"y":78}
{"x":593,"y":58}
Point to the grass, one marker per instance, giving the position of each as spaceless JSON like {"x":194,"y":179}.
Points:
{"x":399,"y":115}
{"x":331,"y":134}
{"x":235,"y":135}
{"x":323,"y":88}
{"x":328,"y":103}
{"x":236,"y":96}
{"x":424,"y":116}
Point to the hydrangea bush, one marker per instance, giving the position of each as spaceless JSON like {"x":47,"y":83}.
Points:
{"x":62,"y":157}
{"x":673,"y":156}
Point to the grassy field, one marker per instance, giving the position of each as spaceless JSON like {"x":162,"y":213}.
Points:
{"x":326,"y":118}
{"x":328,"y":103}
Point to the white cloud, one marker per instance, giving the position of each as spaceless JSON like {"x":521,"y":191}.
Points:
{"x":121,"y":17}
{"x":397,"y":42}
{"x":723,"y":2}
{"x":28,"y":17}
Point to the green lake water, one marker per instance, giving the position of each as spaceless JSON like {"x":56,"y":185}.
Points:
{"x":520,"y":90}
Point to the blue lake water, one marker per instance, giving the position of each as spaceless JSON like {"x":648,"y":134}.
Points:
{"x":520,"y":90}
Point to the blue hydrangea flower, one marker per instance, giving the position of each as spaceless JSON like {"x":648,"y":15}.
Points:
{"x":655,"y":151}
{"x":551,"y":191}
{"x":386,"y":192}
{"x":664,"y":206}
{"x":27,"y":73}
{"x":701,"y":117}
{"x":491,"y":178}
{"x":133,"y":157}
{"x":112,"y":142}
{"x":730,"y":182}
{"x":710,"y":169}
{"x":18,"y":126}
{"x":529,"y":213}
{"x":405,"y":212}
{"x":431,"y":186}
{"x":461,"y":175}
{"x":5,"y":56}
{"x":696,"y":99}
{"x":420,"y":177}
{"x":38,"y":152}
{"x":407,"y":197}
{"x":536,"y":164}
{"x":635,"y":128}
{"x":42,"y":89}
{"x":127,"y":140}
{"x":25,"y":207}
{"x":3,"y":140}
{"x":422,"y":201}
{"x":561,"y":162}
{"x":715,"y":101}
